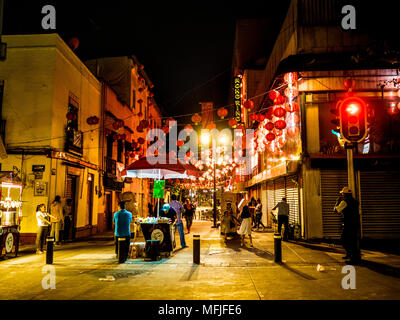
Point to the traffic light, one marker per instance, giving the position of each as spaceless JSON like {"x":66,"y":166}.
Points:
{"x":353,"y":119}
{"x":336,"y":120}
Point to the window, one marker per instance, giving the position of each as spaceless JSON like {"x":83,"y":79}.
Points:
{"x":120,"y":151}
{"x":110,"y":146}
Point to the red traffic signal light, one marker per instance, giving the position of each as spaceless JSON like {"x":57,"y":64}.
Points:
{"x":353,"y":119}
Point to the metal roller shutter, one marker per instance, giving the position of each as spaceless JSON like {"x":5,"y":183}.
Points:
{"x":270,"y":199}
{"x":292,"y":195}
{"x":332,"y":181}
{"x":380,"y":204}
{"x":68,"y":189}
{"x":279,"y":188}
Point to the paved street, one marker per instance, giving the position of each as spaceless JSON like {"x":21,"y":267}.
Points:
{"x":226,"y":272}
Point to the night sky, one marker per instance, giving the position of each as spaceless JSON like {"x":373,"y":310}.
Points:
{"x":186,"y":47}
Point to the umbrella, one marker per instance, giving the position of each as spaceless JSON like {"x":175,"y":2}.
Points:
{"x":173,"y":168}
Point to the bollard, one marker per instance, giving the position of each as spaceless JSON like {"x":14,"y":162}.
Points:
{"x":49,"y":252}
{"x":121,"y":250}
{"x":278,"y":247}
{"x":196,"y":249}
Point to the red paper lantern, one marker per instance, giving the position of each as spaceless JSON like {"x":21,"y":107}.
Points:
{"x":134,"y":144}
{"x":253,"y":117}
{"x":260,"y":118}
{"x":188,"y":128}
{"x":291,"y":92}
{"x":139,"y":129}
{"x":140,"y":89}
{"x":71,"y":116}
{"x":269,"y":114}
{"x":280,"y":124}
{"x":232,"y":122}
{"x":249,"y":104}
{"x":279,"y":112}
{"x":270,"y":126}
{"x":292,"y":106}
{"x":140,"y":101}
{"x":140,"y":114}
{"x":180,"y":143}
{"x":270,"y":136}
{"x":222,"y":113}
{"x":240,"y":127}
{"x":165,"y":129}
{"x":273,"y":95}
{"x":279,"y":100}
{"x":73,"y":43}
{"x":168,"y":121}
{"x":151,"y":94}
{"x":196,"y":118}
{"x":141,"y":140}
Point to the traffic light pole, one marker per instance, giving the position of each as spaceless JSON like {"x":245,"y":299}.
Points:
{"x":350,"y":168}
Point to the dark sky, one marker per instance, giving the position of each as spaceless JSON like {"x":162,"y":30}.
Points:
{"x":186,"y":47}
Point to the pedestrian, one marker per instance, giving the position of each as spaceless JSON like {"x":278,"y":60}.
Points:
{"x":122,"y":220}
{"x":283,"y":217}
{"x":168,"y":212}
{"x":178,"y":208}
{"x":56,"y":220}
{"x":188,"y":213}
{"x":43,"y":222}
{"x":252,"y":206}
{"x":347,"y":206}
{"x":67,"y":212}
{"x":259,"y":215}
{"x":245,"y":226}
{"x":229,"y":221}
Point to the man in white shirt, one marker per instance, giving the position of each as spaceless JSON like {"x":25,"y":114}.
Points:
{"x":283,"y":217}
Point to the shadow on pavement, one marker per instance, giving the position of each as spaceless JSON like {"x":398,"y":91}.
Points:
{"x":380,"y":268}
{"x":299,"y":273}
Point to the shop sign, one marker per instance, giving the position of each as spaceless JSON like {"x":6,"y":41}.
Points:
{"x":38,"y":167}
{"x":158,"y":189}
{"x":237,"y":99}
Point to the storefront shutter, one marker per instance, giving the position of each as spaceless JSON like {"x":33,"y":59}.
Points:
{"x":380,"y":204}
{"x":332,"y":181}
{"x":279,"y":187}
{"x":292,"y":195}
{"x":68,"y":189}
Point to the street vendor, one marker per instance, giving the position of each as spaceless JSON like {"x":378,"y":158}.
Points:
{"x":167,"y":211}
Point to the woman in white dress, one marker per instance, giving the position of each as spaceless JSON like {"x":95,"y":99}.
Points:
{"x":245,"y":227}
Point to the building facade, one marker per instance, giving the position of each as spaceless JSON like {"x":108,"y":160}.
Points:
{"x":306,"y":160}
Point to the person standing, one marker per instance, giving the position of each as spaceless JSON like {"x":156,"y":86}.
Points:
{"x":259,"y":215}
{"x":67,"y":211}
{"x":283,"y":217}
{"x":188,"y":214}
{"x":245,"y":226}
{"x":348,"y":207}
{"x":122,"y":220}
{"x":178,"y":208}
{"x":43,"y":222}
{"x":56,"y":220}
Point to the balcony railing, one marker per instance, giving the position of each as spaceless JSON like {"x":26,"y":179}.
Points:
{"x":74,"y":141}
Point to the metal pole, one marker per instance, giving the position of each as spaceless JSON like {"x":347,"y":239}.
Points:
{"x":121,"y":250}
{"x":196,"y":249}
{"x":278,"y":247}
{"x":215,"y":198}
{"x":49,"y":252}
{"x":350,"y":169}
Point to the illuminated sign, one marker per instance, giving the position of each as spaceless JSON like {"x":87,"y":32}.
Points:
{"x":237,"y":99}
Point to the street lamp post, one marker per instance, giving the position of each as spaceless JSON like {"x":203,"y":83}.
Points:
{"x":215,"y":199}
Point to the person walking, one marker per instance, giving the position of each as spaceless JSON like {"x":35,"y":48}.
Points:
{"x":252,"y":208}
{"x":178,"y":208}
{"x":43,"y":222}
{"x":245,"y":226}
{"x":283,"y":217}
{"x":67,"y":211}
{"x":122,"y":220}
{"x":347,"y":206}
{"x":188,"y":213}
{"x":56,"y":219}
{"x":259,"y":215}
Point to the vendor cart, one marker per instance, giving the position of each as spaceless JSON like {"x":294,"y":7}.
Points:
{"x":159,"y":229}
{"x":10,"y":213}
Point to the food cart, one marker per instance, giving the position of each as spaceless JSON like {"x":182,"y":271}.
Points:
{"x":160,"y":229}
{"x":10,"y":213}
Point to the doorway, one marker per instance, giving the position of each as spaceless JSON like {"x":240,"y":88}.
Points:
{"x":71,"y":194}
{"x":108,"y":209}
{"x":89,"y":213}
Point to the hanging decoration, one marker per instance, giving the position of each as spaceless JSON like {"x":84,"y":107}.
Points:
{"x":253,"y":117}
{"x":141,"y":140}
{"x":232,"y":122}
{"x":211,"y":126}
{"x":180,"y":143}
{"x":196,"y":118}
{"x":222,"y":113}
{"x":71,"y":116}
{"x":279,"y":112}
{"x":188,"y":128}
{"x":249,"y":104}
{"x":107,"y":131}
{"x":92,"y":120}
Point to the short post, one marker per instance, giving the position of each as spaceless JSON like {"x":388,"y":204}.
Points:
{"x":121,"y":250}
{"x":49,"y":251}
{"x":196,"y":249}
{"x":278,"y":247}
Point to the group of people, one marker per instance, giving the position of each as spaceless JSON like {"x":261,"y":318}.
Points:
{"x":56,"y":223}
{"x":174,"y":210}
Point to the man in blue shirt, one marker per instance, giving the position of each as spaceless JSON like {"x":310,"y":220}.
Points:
{"x":178,"y":208}
{"x":122,"y":220}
